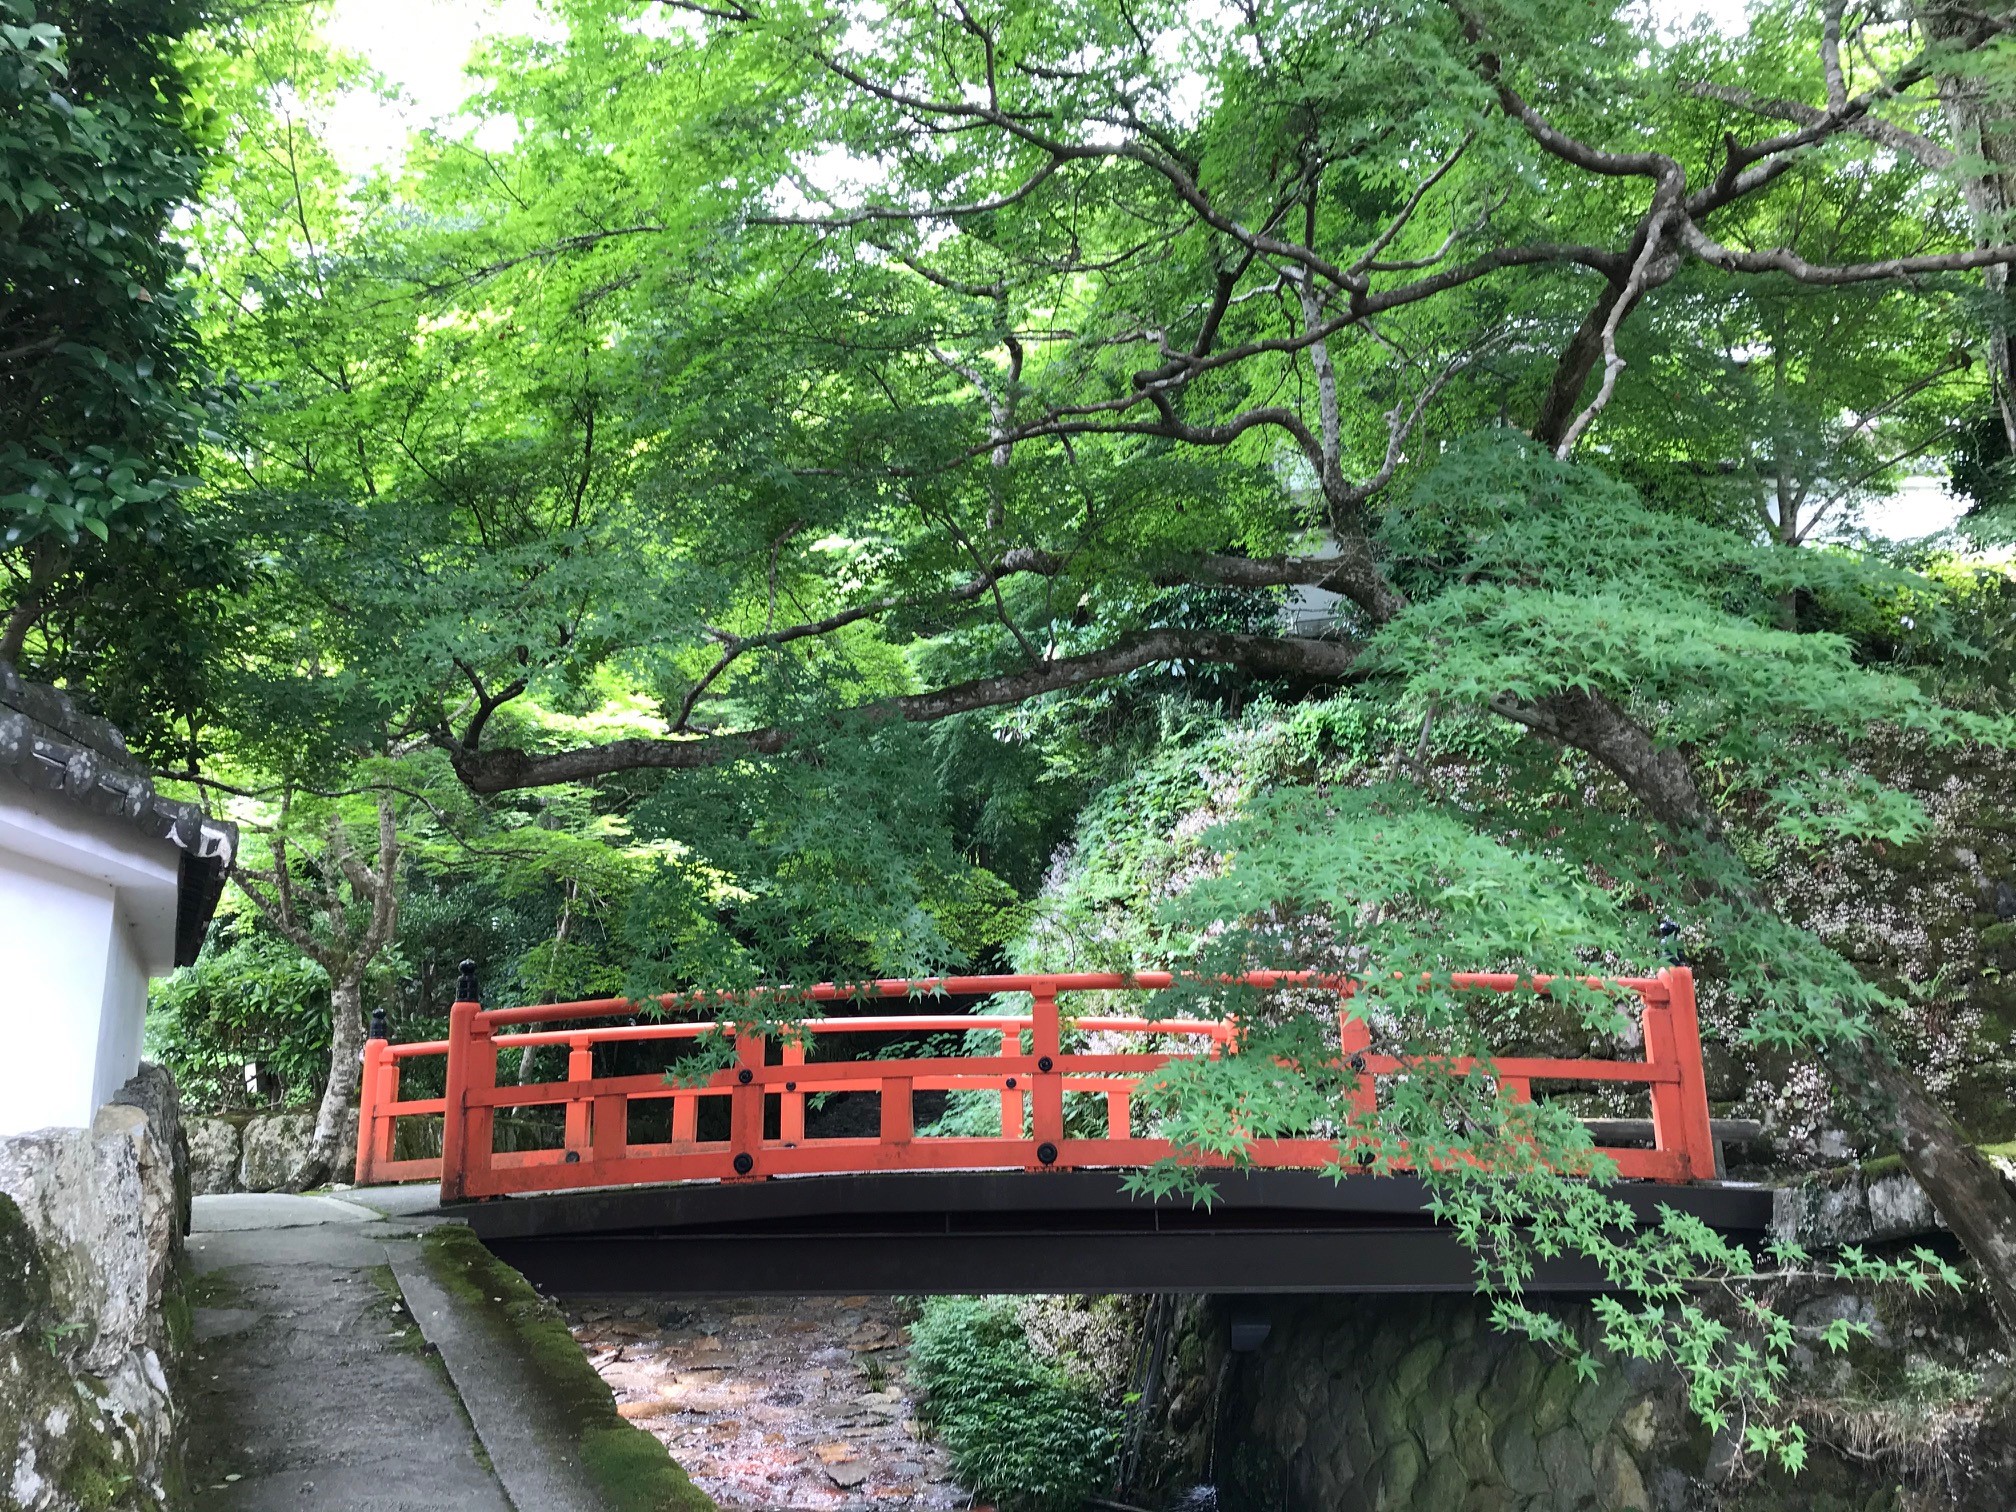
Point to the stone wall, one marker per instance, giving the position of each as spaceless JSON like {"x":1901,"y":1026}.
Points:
{"x":1933,"y":921}
{"x":1395,"y":1403}
{"x":259,"y":1153}
{"x":91,"y":1227}
{"x":1416,"y":1404}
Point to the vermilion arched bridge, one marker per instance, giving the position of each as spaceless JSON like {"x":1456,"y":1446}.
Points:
{"x":720,"y":1187}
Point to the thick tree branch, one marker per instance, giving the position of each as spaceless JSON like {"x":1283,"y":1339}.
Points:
{"x":276,"y":912}
{"x":1654,"y":265}
{"x":1785,"y":260}
{"x":1920,"y":148}
{"x":502,"y":770}
{"x":1658,"y":777}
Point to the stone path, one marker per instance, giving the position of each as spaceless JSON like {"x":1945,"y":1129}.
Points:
{"x":773,"y":1404}
{"x":312,"y":1388}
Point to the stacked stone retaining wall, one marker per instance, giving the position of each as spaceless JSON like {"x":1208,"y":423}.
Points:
{"x":91,"y":1228}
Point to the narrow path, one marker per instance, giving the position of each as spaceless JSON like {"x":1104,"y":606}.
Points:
{"x":312,"y":1387}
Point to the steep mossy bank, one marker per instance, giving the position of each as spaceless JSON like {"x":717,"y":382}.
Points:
{"x":630,"y":1469}
{"x":1929,"y":919}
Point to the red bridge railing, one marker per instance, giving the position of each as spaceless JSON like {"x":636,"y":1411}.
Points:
{"x":766,"y":1089}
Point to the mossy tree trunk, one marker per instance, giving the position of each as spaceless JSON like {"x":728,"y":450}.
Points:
{"x":1966,"y":1190}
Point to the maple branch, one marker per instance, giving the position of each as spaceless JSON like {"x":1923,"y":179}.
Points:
{"x":503,"y":770}
{"x":1785,"y":260}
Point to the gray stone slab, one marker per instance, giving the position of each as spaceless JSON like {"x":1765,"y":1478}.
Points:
{"x":412,"y":1201}
{"x":228,"y":1211}
{"x":323,"y":1398}
{"x":316,"y":1244}
{"x":537,"y":1461}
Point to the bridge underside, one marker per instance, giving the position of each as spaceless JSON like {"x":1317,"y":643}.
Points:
{"x":1039,"y":1231}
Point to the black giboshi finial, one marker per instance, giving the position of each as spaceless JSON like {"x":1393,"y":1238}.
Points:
{"x":1669,"y":936}
{"x":465,"y":985}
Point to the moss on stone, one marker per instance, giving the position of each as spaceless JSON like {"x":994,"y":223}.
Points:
{"x":631,"y":1470}
{"x":24,"y":1279}
{"x":213,"y":1289}
{"x":92,"y":1478}
{"x":178,"y":1316}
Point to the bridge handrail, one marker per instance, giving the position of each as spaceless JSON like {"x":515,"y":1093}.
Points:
{"x":1652,"y":988}
{"x":597,"y":1150}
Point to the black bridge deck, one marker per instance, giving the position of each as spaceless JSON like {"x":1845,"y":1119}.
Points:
{"x":1040,"y":1231}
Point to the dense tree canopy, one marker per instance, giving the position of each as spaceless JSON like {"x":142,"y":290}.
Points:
{"x":732,"y":530}
{"x":103,"y":402}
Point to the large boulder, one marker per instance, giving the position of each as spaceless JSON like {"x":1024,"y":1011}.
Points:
{"x":152,"y":1090}
{"x":275,"y":1144}
{"x":101,"y":1204}
{"x":214,"y":1152}
{"x":89,"y":1218}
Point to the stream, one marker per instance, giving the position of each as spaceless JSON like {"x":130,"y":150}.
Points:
{"x":773,"y":1404}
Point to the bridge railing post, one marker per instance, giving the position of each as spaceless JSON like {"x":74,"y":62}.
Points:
{"x":465,"y":1130}
{"x":1119,"y":1115}
{"x":611,"y":1140}
{"x":685,"y":1118}
{"x":1680,"y":1118}
{"x":372,"y":1096}
{"x":791,"y":1102}
{"x":1046,"y":1090}
{"x":1011,"y":1099}
{"x":745,"y":1105}
{"x":580,"y":1068}
{"x":898,"y":1111}
{"x":1354,"y":1038}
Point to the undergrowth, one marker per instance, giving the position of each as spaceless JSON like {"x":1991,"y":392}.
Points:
{"x":1025,"y":1433}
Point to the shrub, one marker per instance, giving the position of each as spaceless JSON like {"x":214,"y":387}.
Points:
{"x":249,"y":997}
{"x":1023,"y":1432}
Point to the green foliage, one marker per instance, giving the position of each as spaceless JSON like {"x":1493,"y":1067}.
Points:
{"x":593,"y":440}
{"x":840,"y":866}
{"x":1023,"y":1432}
{"x":100,"y":149}
{"x":249,"y":997}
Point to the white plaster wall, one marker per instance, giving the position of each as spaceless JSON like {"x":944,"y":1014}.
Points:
{"x":123,"y":1012}
{"x":56,"y":955}
{"x":47,"y":827}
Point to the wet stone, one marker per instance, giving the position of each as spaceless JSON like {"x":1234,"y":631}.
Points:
{"x":774,"y":1404}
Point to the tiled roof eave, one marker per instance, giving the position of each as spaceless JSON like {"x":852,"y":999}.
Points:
{"x":49,"y":746}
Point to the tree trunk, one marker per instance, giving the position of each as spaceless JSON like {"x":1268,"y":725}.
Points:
{"x":1981,"y":132}
{"x":326,"y":1153}
{"x":1966,"y":1191}
{"x":530,"y":1054}
{"x":46,"y":561}
{"x":1964,"y":1188}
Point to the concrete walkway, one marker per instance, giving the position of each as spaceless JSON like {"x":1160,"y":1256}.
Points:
{"x":313,"y":1388}
{"x":337,"y":1366}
